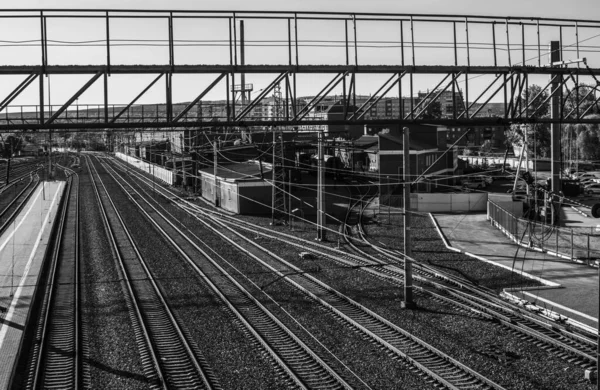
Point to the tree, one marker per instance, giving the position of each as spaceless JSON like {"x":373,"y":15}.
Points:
{"x":11,"y":145}
{"x":536,"y":134}
{"x":434,"y":110}
{"x":486,"y":147}
{"x":538,"y":107}
{"x":586,"y":96}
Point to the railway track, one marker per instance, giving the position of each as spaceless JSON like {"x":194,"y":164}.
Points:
{"x":14,"y":206}
{"x":54,"y":360}
{"x":170,"y":359}
{"x":18,"y":173}
{"x":443,"y":369}
{"x":570,"y":345}
{"x":303,"y":367}
{"x":387,"y":264}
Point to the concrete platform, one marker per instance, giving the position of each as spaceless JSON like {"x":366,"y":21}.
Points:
{"x":571,"y":289}
{"x":22,"y":249}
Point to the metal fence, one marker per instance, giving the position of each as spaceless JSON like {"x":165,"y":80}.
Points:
{"x":577,"y":243}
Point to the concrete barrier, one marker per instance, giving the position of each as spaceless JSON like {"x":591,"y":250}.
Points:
{"x":159,"y":172}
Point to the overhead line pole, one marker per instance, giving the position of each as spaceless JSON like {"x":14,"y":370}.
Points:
{"x":321,"y":219}
{"x":408,"y":302}
{"x":555,"y":56}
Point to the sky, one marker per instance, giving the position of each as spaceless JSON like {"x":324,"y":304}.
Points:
{"x":124,"y":89}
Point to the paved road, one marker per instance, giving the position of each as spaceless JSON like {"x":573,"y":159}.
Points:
{"x":577,"y":295}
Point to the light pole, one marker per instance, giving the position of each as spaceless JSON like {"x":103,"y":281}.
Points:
{"x":293,"y":213}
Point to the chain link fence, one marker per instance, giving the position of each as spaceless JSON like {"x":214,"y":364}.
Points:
{"x":576,"y":243}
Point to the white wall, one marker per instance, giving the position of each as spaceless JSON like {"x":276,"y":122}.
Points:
{"x":449,"y":202}
{"x":160,"y":173}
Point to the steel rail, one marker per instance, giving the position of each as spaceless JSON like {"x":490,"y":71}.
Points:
{"x":490,"y":307}
{"x":550,"y":334}
{"x":553,"y":335}
{"x":56,"y":359}
{"x":21,"y":195}
{"x":290,"y":353}
{"x":442,"y":368}
{"x":382,"y":331}
{"x":172,"y":359}
{"x":298,"y":273}
{"x":391,"y":272}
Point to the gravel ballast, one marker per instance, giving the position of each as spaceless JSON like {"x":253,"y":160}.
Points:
{"x":348,"y":346}
{"x":114,"y":360}
{"x":486,"y":347}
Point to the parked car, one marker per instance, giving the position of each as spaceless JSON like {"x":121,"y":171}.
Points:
{"x":519,"y":194}
{"x":479,"y":184}
{"x":497,"y":167}
{"x":589,"y":181}
{"x":487,"y":179}
{"x":592,"y":188}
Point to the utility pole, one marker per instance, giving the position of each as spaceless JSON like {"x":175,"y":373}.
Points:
{"x":182,"y":162}
{"x":215,"y":164}
{"x":243,"y":62}
{"x":321,"y":235}
{"x":555,"y":102}
{"x":289,"y":205}
{"x":49,"y":154}
{"x":10,"y":153}
{"x":408,"y":302}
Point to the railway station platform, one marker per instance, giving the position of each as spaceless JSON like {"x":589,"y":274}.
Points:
{"x":22,"y":249}
{"x":569,"y":289}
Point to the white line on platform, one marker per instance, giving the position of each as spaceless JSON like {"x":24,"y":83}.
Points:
{"x":17,"y":295}
{"x":560,"y":306}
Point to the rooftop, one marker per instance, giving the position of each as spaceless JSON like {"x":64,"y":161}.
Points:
{"x":238,"y":171}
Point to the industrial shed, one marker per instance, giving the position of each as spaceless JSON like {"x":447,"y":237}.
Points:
{"x":241,"y":187}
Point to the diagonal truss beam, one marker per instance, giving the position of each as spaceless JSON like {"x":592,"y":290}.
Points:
{"x":579,"y":100}
{"x":74,"y":97}
{"x":438,"y":94}
{"x":376,"y":97}
{"x":590,"y":107}
{"x":197,"y":99}
{"x":469,"y":106}
{"x":17,"y":91}
{"x":292,"y":96}
{"x":506,"y":80}
{"x":451,"y":147}
{"x":517,"y":86}
{"x":113,"y":120}
{"x":556,"y":91}
{"x":350,"y":93}
{"x":425,"y":99}
{"x":260,"y":97}
{"x":320,"y":96}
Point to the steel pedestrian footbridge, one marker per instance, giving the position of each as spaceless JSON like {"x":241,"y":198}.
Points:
{"x":227,"y":65}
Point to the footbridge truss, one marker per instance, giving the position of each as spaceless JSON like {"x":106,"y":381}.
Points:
{"x":123,"y":70}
